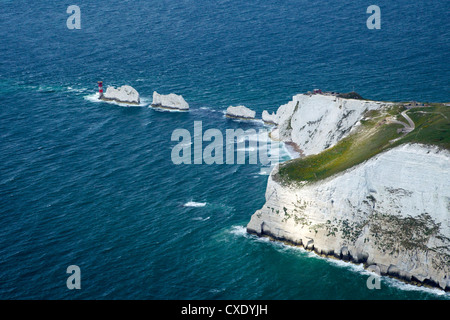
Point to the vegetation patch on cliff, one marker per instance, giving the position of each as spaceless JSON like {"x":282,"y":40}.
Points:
{"x":393,"y":234}
{"x":350,"y":95}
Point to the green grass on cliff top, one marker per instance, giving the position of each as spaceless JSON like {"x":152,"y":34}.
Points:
{"x":374,"y":135}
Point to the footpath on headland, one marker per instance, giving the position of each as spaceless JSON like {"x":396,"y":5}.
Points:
{"x":407,"y":127}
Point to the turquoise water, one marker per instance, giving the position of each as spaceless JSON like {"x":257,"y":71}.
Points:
{"x":92,"y":184}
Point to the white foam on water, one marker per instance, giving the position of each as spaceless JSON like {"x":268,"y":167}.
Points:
{"x":201,"y":219}
{"x":248,"y":138}
{"x":194,"y":204}
{"x":255,"y":120}
{"x":94,"y":98}
{"x":345,"y":264}
{"x":265,"y":171}
{"x":244,"y":120}
{"x":358,"y":268}
{"x":159,"y":109}
{"x":44,"y":88}
{"x":289,"y":151}
{"x":217,"y":290}
{"x":249,"y":149}
{"x":79,"y":90}
{"x":210,"y":109}
{"x":206,"y":108}
{"x":239,"y":231}
{"x":410,"y":287}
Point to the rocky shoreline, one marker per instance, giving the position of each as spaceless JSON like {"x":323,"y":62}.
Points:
{"x":351,"y":216}
{"x":347,"y":258}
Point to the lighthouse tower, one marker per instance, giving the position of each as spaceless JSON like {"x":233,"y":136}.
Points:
{"x":100,"y":89}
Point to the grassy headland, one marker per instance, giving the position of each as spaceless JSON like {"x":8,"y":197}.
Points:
{"x":376,"y":133}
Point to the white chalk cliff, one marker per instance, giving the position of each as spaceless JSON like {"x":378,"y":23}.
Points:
{"x":391,"y":211}
{"x":316,"y":122}
{"x":124,"y":94}
{"x":169,"y":101}
{"x":240,"y":112}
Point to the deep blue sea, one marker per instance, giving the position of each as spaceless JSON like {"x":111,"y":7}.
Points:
{"x":92,"y":184}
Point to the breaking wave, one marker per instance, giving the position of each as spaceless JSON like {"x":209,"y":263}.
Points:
{"x":194,"y":204}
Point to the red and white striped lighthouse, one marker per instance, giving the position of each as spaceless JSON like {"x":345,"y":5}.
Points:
{"x":100,"y":89}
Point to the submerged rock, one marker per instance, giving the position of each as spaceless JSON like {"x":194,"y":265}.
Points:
{"x":240,"y":112}
{"x":169,"y":101}
{"x":123,"y":94}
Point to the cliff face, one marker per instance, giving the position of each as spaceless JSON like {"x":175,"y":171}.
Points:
{"x":392,"y":211}
{"x":316,"y":122}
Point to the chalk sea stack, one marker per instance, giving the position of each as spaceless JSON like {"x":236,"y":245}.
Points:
{"x":124,"y":94}
{"x":240,"y":112}
{"x":170,"y":101}
{"x":269,"y":118}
